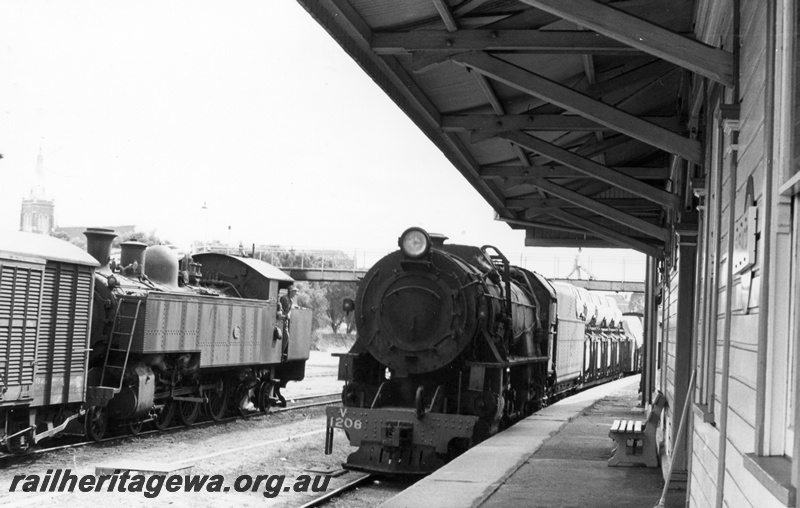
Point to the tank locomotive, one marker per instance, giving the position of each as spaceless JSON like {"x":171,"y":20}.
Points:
{"x":454,"y":344}
{"x":90,"y":343}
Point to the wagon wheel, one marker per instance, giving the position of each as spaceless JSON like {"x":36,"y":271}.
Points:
{"x":188,"y":411}
{"x":164,"y":417}
{"x":19,"y":444}
{"x":217,"y":401}
{"x":96,"y":422}
{"x":134,"y":427}
{"x":265,"y":395}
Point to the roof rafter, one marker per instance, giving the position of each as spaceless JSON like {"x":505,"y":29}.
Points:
{"x":539,"y":204}
{"x":569,"y":99}
{"x":595,"y":170}
{"x":545,"y":122}
{"x":532,"y":41}
{"x":554,"y":171}
{"x":599,"y":208}
{"x":544,"y":225}
{"x":447,"y":16}
{"x":608,"y":234}
{"x":705,"y":60}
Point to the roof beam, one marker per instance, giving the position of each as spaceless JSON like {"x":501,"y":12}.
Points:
{"x":541,"y":204}
{"x":599,"y":208}
{"x":542,"y":225}
{"x":595,"y":170}
{"x":608,"y":234}
{"x":536,"y":122}
{"x":569,"y":99}
{"x":527,"y":173}
{"x":704,"y":60}
{"x":532,"y":241}
{"x":532,"y":41}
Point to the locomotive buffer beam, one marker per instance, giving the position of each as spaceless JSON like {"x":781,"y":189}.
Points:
{"x":412,"y":445}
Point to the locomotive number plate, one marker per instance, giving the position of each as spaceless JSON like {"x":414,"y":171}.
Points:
{"x":342,"y":421}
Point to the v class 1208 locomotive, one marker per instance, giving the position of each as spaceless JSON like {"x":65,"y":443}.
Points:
{"x":454,"y":344}
{"x":86,"y":343}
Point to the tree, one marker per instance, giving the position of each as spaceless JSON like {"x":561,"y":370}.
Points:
{"x":148,"y":238}
{"x":336,"y":292}
{"x":312,"y":295}
{"x":636,"y":303}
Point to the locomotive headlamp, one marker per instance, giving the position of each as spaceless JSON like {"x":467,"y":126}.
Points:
{"x":415,"y":242}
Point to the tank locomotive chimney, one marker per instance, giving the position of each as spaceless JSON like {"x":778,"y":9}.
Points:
{"x":98,"y":245}
{"x":132,"y":258}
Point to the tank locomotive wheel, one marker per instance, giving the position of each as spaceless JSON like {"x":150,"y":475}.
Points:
{"x":96,"y":422}
{"x":217,"y":401}
{"x":188,"y":411}
{"x":164,"y":418}
{"x":134,"y":427}
{"x":265,"y":396}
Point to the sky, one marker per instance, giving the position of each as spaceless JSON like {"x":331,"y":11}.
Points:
{"x":236,"y":121}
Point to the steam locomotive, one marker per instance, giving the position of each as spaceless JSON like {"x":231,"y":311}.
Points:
{"x":86,"y":343}
{"x":454,"y":344}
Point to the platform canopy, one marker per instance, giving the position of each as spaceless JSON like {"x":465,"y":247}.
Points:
{"x":569,"y":117}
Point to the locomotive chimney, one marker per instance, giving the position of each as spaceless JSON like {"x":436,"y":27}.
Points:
{"x":98,"y":245}
{"x":132,"y":258}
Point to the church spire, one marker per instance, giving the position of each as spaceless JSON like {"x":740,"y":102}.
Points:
{"x":38,"y":187}
{"x":37,"y":214}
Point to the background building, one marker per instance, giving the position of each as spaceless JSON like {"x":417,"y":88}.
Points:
{"x":38,"y":211}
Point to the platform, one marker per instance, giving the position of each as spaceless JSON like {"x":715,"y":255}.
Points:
{"x":555,"y":458}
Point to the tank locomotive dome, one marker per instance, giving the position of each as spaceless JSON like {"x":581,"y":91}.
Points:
{"x":416,"y":307}
{"x":161,"y":265}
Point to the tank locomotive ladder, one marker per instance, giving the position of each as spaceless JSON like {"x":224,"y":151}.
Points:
{"x":120,"y":341}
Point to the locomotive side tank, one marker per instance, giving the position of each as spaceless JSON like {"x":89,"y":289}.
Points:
{"x":454,"y":344}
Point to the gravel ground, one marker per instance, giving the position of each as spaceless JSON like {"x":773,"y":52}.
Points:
{"x":254,"y":446}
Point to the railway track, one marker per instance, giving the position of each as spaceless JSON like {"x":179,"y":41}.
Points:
{"x":365,"y":490}
{"x":327,"y":400}
{"x":329,"y":496}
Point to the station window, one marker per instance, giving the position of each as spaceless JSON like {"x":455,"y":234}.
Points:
{"x":785,"y":319}
{"x":710,"y":255}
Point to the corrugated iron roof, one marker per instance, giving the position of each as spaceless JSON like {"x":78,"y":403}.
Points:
{"x":537,"y":101}
{"x":262,"y":267}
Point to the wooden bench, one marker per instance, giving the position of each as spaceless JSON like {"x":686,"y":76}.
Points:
{"x":636,"y":440}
